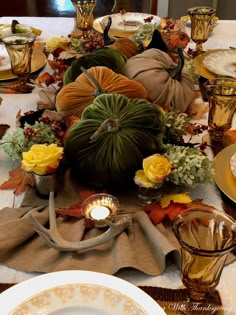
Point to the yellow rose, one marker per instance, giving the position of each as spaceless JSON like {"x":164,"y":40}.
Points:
{"x":42,"y":159}
{"x":155,"y":169}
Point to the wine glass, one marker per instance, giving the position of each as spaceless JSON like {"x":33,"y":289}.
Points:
{"x":201,"y":20}
{"x":221,"y":93}
{"x":205,"y":237}
{"x":84,"y":15}
{"x":20,"y":49}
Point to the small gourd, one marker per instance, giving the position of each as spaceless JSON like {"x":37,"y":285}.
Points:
{"x":75,"y":96}
{"x":165,"y":82}
{"x":107,"y":145}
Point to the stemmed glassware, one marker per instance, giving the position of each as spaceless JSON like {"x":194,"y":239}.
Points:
{"x":201,"y":20}
{"x":20,"y":49}
{"x":84,"y":15}
{"x":205,"y":237}
{"x":221,"y":94}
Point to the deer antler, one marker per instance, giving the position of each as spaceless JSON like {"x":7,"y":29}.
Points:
{"x":53,"y":238}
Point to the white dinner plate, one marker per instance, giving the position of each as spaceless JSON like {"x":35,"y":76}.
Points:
{"x":77,"y":293}
{"x":222,"y":174}
{"x":4,"y":59}
{"x":124,"y":26}
{"x":222,"y":63}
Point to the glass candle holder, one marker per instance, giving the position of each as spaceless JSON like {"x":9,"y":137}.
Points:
{"x":84,"y":15}
{"x":201,"y":20}
{"x":206,"y":237}
{"x":20,"y":49}
{"x":100,"y":208}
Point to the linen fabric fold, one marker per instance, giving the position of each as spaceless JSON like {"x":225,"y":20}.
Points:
{"x":142,"y":246}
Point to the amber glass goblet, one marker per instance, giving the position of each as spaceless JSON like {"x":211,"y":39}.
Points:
{"x":221,"y":93}
{"x":20,"y":49}
{"x":206,"y":237}
{"x":84,"y":15}
{"x":201,"y":20}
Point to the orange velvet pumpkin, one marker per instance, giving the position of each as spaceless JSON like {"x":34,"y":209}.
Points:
{"x":126,"y":46}
{"x":75,"y":96}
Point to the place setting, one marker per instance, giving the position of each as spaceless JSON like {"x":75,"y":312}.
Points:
{"x":113,"y":170}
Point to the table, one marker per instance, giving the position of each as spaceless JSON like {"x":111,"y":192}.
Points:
{"x":222,"y":37}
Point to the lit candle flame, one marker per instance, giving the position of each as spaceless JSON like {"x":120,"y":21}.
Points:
{"x":99,"y":213}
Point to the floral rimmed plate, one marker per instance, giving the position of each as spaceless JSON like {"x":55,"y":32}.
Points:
{"x":77,"y":292}
{"x":124,"y":25}
{"x":222,"y":63}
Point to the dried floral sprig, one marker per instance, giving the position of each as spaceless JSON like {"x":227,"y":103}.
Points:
{"x":190,"y":166}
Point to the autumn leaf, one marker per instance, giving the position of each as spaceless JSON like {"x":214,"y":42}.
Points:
{"x":172,"y":207}
{"x":176,"y":198}
{"x":18,"y":180}
{"x":75,"y":209}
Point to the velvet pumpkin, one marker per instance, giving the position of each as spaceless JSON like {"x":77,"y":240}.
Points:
{"x":154,"y":70}
{"x":108,"y":57}
{"x":75,"y":96}
{"x":126,"y":46}
{"x":107,"y":145}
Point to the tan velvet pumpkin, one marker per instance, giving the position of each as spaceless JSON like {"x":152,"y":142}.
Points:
{"x":153,"y":69}
{"x":75,"y":96}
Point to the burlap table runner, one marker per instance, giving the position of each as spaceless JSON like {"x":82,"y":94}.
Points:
{"x":142,"y":246}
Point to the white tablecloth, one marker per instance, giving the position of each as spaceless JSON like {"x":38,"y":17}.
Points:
{"x":223,"y":36}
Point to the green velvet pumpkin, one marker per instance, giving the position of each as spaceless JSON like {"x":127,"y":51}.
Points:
{"x":108,"y":57}
{"x":115,"y":133}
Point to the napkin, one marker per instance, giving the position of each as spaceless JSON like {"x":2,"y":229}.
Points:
{"x":142,"y":246}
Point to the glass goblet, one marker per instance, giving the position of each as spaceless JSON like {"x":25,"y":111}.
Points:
{"x":206,"y":237}
{"x":20,"y":49}
{"x":221,"y":93}
{"x":201,"y":20}
{"x":84,"y":15}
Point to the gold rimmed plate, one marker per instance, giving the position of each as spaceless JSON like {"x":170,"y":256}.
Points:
{"x":38,"y":61}
{"x":222,"y":173}
{"x":201,"y":69}
{"x":222,"y":62}
{"x":124,"y":26}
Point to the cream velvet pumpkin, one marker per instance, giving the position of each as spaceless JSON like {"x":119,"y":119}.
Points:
{"x":153,"y":69}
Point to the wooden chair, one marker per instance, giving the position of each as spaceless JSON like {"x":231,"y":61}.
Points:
{"x":154,"y":4}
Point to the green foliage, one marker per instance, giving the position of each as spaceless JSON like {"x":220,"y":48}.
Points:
{"x":21,"y":139}
{"x":190,"y":165}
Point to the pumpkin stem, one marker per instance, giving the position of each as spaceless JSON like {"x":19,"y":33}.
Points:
{"x":109,"y":125}
{"x":107,"y":39}
{"x":99,"y":90}
{"x":176,"y":72}
{"x":157,"y":42}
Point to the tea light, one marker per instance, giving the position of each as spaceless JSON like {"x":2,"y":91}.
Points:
{"x":99,"y":213}
{"x":100,"y":208}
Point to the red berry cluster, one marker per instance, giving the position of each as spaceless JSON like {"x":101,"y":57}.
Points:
{"x":29,"y":133}
{"x":148,"y":19}
{"x":95,"y":41}
{"x":170,"y":24}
